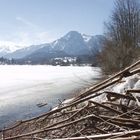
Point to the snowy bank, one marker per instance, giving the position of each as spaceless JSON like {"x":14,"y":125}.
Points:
{"x":129,"y":83}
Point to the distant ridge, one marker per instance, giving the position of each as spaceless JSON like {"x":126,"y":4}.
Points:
{"x":73,"y":44}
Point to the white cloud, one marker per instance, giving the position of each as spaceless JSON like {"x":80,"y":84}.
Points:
{"x":45,"y":37}
{"x":31,"y":33}
{"x":26,"y":22}
{"x":10,"y":46}
{"x":26,"y":33}
{"x":26,"y":38}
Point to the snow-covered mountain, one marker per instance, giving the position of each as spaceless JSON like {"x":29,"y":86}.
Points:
{"x":21,"y":53}
{"x":86,"y":37}
{"x":95,"y":43}
{"x":8,"y":47}
{"x":72,"y":44}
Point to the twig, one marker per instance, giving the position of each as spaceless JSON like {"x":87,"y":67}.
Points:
{"x":106,"y":107}
{"x":104,"y":136}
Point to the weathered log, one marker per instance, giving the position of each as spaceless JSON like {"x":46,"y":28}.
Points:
{"x":62,"y":122}
{"x":67,"y":112}
{"x":106,"y":107}
{"x":126,"y":138}
{"x":12,"y":127}
{"x":120,"y":119}
{"x":68,"y":122}
{"x":135,"y":71}
{"x":105,"y":136}
{"x":100,"y":130}
{"x":99,"y":88}
{"x":133,"y":91}
{"x":77,"y":133}
{"x":94,"y":88}
{"x":58,"y":127}
{"x":117,"y":95}
{"x":117,"y":104}
{"x":127,"y":109}
{"x":53,"y":111}
{"x":53,"y":128}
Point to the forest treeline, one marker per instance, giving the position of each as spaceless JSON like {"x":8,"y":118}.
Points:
{"x":121,"y":46}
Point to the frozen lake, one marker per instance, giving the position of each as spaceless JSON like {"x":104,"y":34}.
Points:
{"x":23,"y":87}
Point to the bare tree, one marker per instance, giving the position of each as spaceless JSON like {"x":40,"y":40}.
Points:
{"x":122,"y":36}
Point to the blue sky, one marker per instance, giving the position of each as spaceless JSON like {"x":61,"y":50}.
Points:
{"x":29,"y":22}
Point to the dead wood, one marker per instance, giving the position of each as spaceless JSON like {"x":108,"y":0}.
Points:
{"x":106,"y":107}
{"x":61,"y":122}
{"x":98,"y":88}
{"x":121,"y":119}
{"x":120,"y":74}
{"x":53,"y":128}
{"x":126,"y":138}
{"x":133,"y":91}
{"x":118,"y":96}
{"x":135,"y":71}
{"x":105,"y":136}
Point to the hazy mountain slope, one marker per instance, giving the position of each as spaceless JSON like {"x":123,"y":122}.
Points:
{"x":44,"y":54}
{"x":7,"y":47}
{"x":24,"y":51}
{"x":95,"y":43}
{"x":73,"y":44}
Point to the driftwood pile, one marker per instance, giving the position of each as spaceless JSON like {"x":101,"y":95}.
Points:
{"x":83,"y":118}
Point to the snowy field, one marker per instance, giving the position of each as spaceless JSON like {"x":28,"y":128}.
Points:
{"x":23,"y":87}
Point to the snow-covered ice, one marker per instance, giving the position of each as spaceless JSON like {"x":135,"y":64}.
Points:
{"x":127,"y":83}
{"x":22,"y":87}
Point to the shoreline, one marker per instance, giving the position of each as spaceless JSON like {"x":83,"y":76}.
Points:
{"x":21,"y":92}
{"x":47,"y":108}
{"x":92,"y":113}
